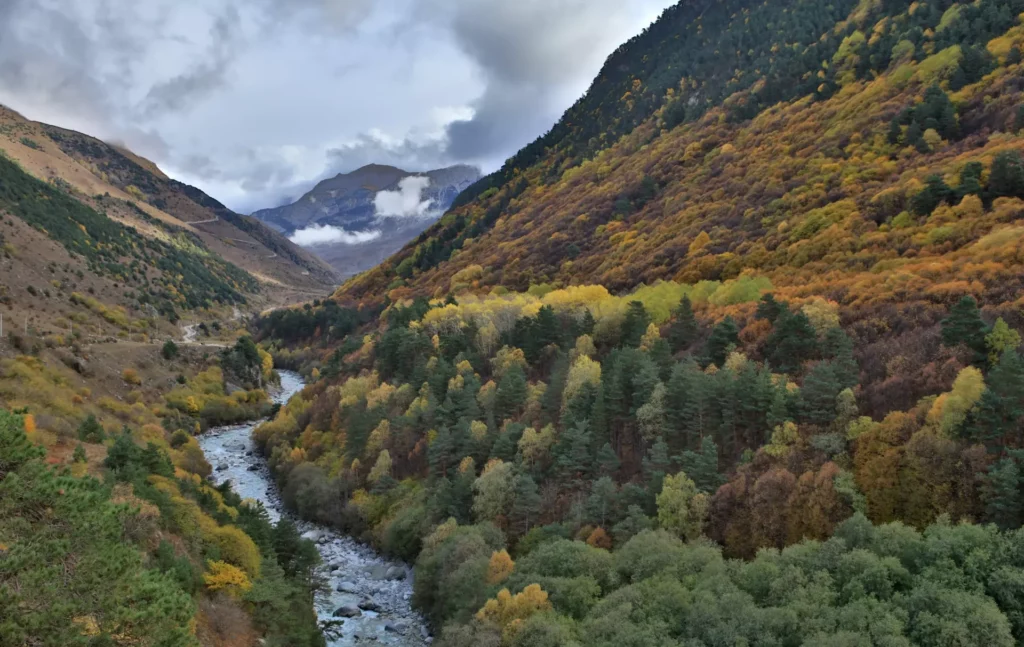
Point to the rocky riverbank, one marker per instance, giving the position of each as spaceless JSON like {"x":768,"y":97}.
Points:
{"x":369,"y":598}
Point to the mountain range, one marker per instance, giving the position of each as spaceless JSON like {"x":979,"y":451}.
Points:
{"x":356,"y":220}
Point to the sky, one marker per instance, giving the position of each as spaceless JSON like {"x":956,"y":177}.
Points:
{"x":254,"y":101}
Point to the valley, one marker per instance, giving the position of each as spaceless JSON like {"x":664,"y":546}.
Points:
{"x":731,"y":355}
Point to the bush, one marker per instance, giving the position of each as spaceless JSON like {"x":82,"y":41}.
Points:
{"x":131,"y":376}
{"x":91,"y":431}
{"x":170,"y":350}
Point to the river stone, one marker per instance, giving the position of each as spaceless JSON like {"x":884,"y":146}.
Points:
{"x":395,"y":573}
{"x":222,"y":467}
{"x":348,"y":611}
{"x":346,"y":587}
{"x":397,"y":627}
{"x":369,"y":605}
{"x":311,"y":535}
{"x":253,"y":468}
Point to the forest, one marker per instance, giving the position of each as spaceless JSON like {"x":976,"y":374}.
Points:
{"x":536,"y":430}
{"x":732,"y":355}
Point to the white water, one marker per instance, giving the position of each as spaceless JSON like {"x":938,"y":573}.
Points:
{"x":232,"y":453}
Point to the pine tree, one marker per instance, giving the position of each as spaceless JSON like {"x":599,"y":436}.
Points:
{"x":970,"y":179}
{"x":702,"y":467}
{"x":634,"y":325}
{"x":965,"y":326}
{"x":602,"y":504}
{"x":792,"y":342}
{"x":511,"y":394}
{"x":999,"y":414}
{"x":724,"y":337}
{"x":572,"y":453}
{"x":895,"y":132}
{"x":684,"y":329}
{"x":769,"y":309}
{"x":687,"y":407}
{"x":1007,"y":176}
{"x":1004,"y":503}
{"x":935,"y":192}
{"x":838,"y":347}
{"x":818,"y":394}
{"x":607,"y":462}
{"x":525,"y":505}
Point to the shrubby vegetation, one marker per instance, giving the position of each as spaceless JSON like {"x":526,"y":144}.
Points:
{"x":98,"y":554}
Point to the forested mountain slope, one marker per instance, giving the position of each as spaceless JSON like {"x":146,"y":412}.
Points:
{"x":784,"y":163}
{"x":759,"y":289}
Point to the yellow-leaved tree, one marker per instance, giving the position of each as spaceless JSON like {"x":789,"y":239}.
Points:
{"x":221,"y":576}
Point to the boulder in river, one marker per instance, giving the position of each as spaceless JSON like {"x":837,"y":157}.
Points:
{"x":395,"y":573}
{"x":369,"y":605}
{"x":253,"y":468}
{"x":346,"y":587}
{"x":348,"y":611}
{"x":311,"y":535}
{"x":223,"y":467}
{"x":396,"y":627}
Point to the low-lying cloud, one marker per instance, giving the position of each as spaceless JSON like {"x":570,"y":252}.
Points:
{"x":330,"y":235}
{"x":406,"y":202}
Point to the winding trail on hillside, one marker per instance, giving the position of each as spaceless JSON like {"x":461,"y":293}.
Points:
{"x":369,"y":595}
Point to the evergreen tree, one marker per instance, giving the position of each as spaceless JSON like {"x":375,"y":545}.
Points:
{"x":792,"y":342}
{"x":934,"y":193}
{"x":634,"y":325}
{"x":999,"y":415}
{"x":607,"y":461}
{"x":965,"y":326}
{"x":1007,"y":176}
{"x":724,"y":338}
{"x":818,"y":394}
{"x":1004,"y":503}
{"x":572,"y":453}
{"x":838,"y":347}
{"x":1020,"y":111}
{"x":635,"y":523}
{"x":769,"y":309}
{"x":895,"y":132}
{"x":551,"y":403}
{"x":91,"y":431}
{"x":602,"y":505}
{"x":441,"y":453}
{"x":684,"y":329}
{"x":970,"y":179}
{"x":661,"y":354}
{"x":525,"y":504}
{"x":511,"y":394}
{"x":687,"y":406}
{"x":702,"y":467}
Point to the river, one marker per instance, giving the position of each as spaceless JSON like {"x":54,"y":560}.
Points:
{"x":372,"y":590}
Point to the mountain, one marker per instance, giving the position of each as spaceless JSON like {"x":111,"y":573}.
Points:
{"x":346,"y":204}
{"x":743,"y":327}
{"x":103,"y":385}
{"x":133,"y":190}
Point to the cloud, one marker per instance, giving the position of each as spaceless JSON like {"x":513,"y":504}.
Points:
{"x":255,"y":101}
{"x":330,"y":235}
{"x":406,"y":202}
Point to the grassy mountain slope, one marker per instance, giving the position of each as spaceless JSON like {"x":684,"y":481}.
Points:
{"x":730,"y":303}
{"x":121,"y":184}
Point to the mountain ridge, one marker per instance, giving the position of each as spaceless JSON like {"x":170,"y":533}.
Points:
{"x":346,"y":202}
